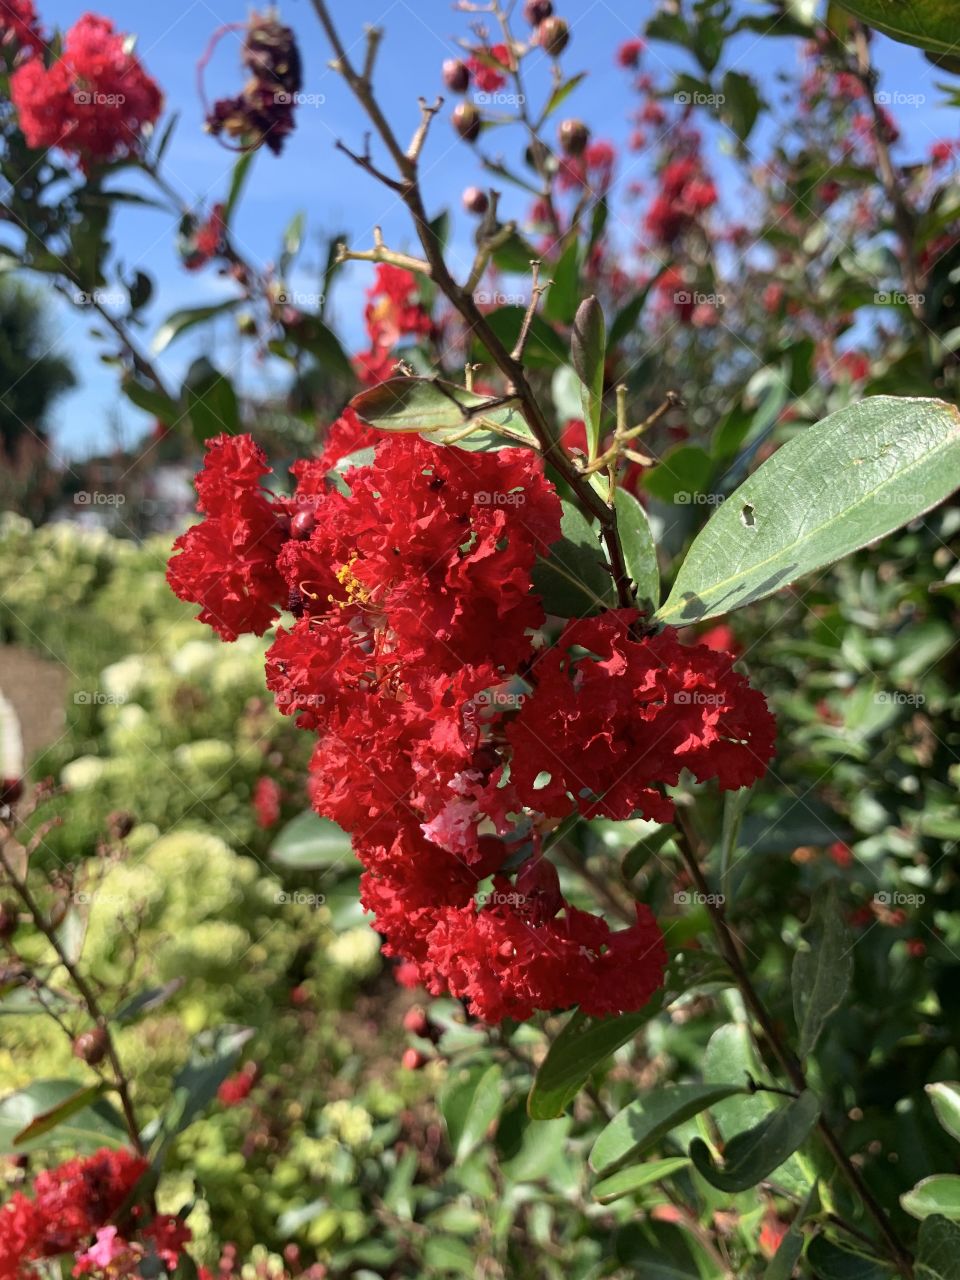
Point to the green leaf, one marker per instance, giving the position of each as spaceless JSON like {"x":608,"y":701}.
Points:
{"x":627,"y":1181}
{"x":573,"y":578}
{"x":939,"y":1193}
{"x":646,"y":1121}
{"x":60,"y":1112}
{"x":639,"y":549}
{"x":237,"y":179}
{"x":830,"y":1262}
{"x":151,"y":400}
{"x":210,"y":400}
{"x":95,"y":1124}
{"x":684,"y":473}
{"x":470,"y":1103}
{"x":292,"y":240}
{"x":588,"y":346}
{"x":443,"y":413}
{"x":180,"y":321}
{"x":560,"y":95}
{"x":751,"y":1156}
{"x":148,"y":1000}
{"x":938,"y":1252}
{"x":446,"y":1254}
{"x":856,"y":476}
{"x":945,"y":1097}
{"x":783,"y":1262}
{"x":312,"y":335}
{"x":928,"y":24}
{"x":213,"y":1056}
{"x":582,"y":1045}
{"x":309,"y":841}
{"x":560,"y":302}
{"x":822,"y":971}
{"x":742,"y":103}
{"x":544,"y":348}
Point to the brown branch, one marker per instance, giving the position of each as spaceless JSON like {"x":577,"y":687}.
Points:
{"x":463,"y":301}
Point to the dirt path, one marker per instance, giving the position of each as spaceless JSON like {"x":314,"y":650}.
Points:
{"x":36,"y":689}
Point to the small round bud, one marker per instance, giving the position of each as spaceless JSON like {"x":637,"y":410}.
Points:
{"x":91,"y":1046}
{"x":475,"y":200}
{"x":554,"y":36}
{"x":416,"y":1021}
{"x":537,"y":11}
{"x":412,"y":1060}
{"x":120,"y":824}
{"x":574,"y":136}
{"x":456,"y":75}
{"x":302,"y":525}
{"x":9,"y":919}
{"x":466,"y":121}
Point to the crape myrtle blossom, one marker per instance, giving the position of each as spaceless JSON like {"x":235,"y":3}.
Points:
{"x":449,"y":738}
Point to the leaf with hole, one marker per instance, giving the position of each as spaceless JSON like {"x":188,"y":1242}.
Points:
{"x":751,"y":1156}
{"x":854,"y":477}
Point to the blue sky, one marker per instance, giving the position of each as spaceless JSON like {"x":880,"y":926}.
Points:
{"x":336,"y":196}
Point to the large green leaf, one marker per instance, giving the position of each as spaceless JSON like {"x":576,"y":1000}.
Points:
{"x":856,"y":476}
{"x":644,"y":1122}
{"x":543,"y":349}
{"x":822,"y":969}
{"x":945,"y":1097}
{"x":210,"y":400}
{"x":59,"y":1113}
{"x":442,"y":412}
{"x":751,"y":1156}
{"x":639,"y":549}
{"x":627,"y":1181}
{"x":560,"y":303}
{"x":929,"y":24}
{"x":588,"y":345}
{"x":938,"y":1252}
{"x":582,"y":1045}
{"x":830,"y":1262}
{"x":92,"y":1124}
{"x":309,"y":841}
{"x":784,"y":1261}
{"x":574,"y":578}
{"x":939,"y":1193}
{"x":180,"y":321}
{"x":470,"y":1103}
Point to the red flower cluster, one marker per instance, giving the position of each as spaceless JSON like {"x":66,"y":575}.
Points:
{"x":684,"y":196}
{"x":416,"y":639}
{"x":69,"y":1205}
{"x":19,"y":25}
{"x":93,"y":101}
{"x":487,"y":78}
{"x":393,"y":311}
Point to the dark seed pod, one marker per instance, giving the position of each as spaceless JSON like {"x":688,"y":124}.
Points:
{"x":537,"y":11}
{"x":574,"y":136}
{"x":554,"y":36}
{"x":456,"y":75}
{"x":91,"y":1046}
{"x":475,"y":200}
{"x":466,"y":121}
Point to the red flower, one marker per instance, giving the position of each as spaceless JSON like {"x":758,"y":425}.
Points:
{"x":347,"y":435}
{"x":235,"y":1088}
{"x":266,"y":802}
{"x":19,"y":25}
{"x":227,"y":564}
{"x":628,"y":55}
{"x":487,"y":78}
{"x":609,"y":727}
{"x":92,"y":102}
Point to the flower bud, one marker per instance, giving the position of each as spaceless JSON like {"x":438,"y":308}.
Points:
{"x":120,"y":824}
{"x":91,"y":1046}
{"x":537,"y":11}
{"x":456,"y":75}
{"x":412,"y":1060}
{"x":475,"y":200}
{"x":466,"y":121}
{"x":574,"y":136}
{"x":302,"y":525}
{"x":416,"y":1021}
{"x":554,"y":36}
{"x":11,"y":789}
{"x":539,"y":885}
